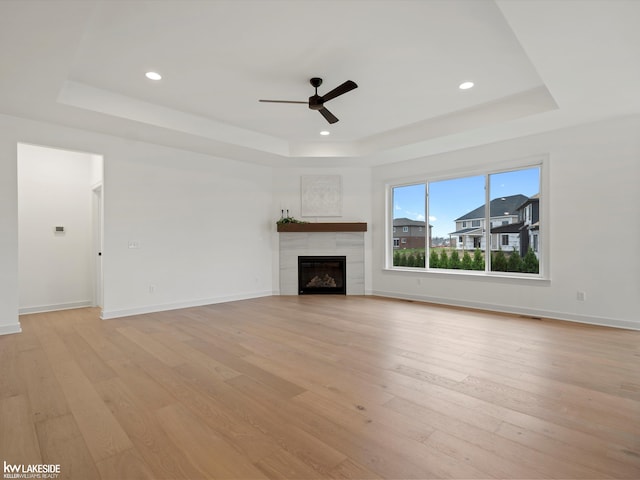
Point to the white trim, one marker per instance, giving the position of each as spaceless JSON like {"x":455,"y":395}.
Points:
{"x":10,"y":329}
{"x":505,"y":165}
{"x":110,"y":314}
{"x":55,"y":307}
{"x":515,"y":310}
{"x":540,"y":161}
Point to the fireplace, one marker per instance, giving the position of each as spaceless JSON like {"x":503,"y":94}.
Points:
{"x":322,"y":275}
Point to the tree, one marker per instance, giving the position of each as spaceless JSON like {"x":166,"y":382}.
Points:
{"x":467,"y":263}
{"x":499,"y":262}
{"x":434,"y":260}
{"x":454,"y":260}
{"x":530,"y":262}
{"x":444,"y":260}
{"x":478,"y":260}
{"x":514,"y":264}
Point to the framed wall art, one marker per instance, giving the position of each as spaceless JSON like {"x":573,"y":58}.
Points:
{"x":321,"y":195}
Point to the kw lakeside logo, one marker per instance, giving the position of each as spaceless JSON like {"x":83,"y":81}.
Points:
{"x":38,"y":470}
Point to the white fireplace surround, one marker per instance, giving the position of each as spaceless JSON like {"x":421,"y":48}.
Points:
{"x":295,"y":244}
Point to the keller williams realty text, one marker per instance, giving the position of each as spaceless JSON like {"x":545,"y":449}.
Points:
{"x":31,"y":471}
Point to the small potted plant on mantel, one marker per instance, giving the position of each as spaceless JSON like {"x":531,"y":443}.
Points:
{"x":287,"y":220}
{"x":284,"y":220}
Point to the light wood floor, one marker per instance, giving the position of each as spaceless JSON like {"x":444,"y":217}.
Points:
{"x":320,"y":387}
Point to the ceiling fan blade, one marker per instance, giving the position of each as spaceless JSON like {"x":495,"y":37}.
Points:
{"x":283,"y":101}
{"x":330,"y":117}
{"x":339,"y":90}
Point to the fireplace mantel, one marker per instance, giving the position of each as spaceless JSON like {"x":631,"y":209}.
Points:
{"x":323,"y":227}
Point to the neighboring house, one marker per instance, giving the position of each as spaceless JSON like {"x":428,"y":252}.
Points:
{"x":504,"y":216}
{"x":530,"y":230}
{"x":408,"y":233}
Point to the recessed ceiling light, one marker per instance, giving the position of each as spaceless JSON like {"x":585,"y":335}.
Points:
{"x":325,"y":132}
{"x":153,"y":76}
{"x":465,"y":85}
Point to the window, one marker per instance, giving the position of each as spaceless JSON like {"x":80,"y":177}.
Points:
{"x":408,"y":204}
{"x":396,"y":242}
{"x":485,"y":223}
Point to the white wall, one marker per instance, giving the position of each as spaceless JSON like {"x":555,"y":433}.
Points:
{"x":356,"y":206}
{"x":8,"y":230}
{"x":594,"y":198}
{"x":204,"y":224}
{"x":54,"y":189}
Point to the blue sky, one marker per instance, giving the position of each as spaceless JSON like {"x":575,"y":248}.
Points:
{"x":450,"y":199}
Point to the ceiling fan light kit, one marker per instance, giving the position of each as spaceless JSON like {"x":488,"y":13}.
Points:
{"x":316,"y":102}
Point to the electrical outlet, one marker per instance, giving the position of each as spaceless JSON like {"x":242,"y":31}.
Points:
{"x":134,"y":244}
{"x":581,"y":296}
{"x":152,"y":288}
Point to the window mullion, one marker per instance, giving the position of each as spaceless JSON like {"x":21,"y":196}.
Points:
{"x":427,"y":230}
{"x":487,"y":225}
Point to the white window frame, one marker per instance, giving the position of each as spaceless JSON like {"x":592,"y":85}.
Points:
{"x":539,"y":161}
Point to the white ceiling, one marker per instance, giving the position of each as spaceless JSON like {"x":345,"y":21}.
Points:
{"x":537,"y":65}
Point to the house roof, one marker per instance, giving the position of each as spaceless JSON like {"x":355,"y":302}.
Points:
{"x":532,"y":199}
{"x":468,"y":231}
{"x":499,"y":207}
{"x":406,"y":222}
{"x":219,"y":58}
{"x":509,"y":228}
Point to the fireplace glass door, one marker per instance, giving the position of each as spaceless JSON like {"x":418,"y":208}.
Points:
{"x":322,"y":275}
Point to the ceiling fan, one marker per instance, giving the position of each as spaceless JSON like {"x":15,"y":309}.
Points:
{"x":316,"y":102}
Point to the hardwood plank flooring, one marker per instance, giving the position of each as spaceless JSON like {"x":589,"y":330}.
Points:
{"x":320,"y":387}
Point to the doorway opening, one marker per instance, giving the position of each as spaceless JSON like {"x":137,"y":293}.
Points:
{"x":60,"y":228}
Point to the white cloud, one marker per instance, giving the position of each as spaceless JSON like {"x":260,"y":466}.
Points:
{"x":432,"y":218}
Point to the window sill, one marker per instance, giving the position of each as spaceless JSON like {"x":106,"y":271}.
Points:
{"x":472,"y":275}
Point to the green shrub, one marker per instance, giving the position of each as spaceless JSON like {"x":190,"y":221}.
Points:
{"x":530,"y":262}
{"x":467,"y":263}
{"x":499,"y":262}
{"x":514,"y":264}
{"x":444,"y":260}
{"x":454,"y":260}
{"x":434,"y":260}
{"x":478,"y":260}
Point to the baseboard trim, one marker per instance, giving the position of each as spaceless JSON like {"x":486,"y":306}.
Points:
{"x":530,"y":312}
{"x":55,"y":307}
{"x":127,"y":312}
{"x":10,"y":329}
